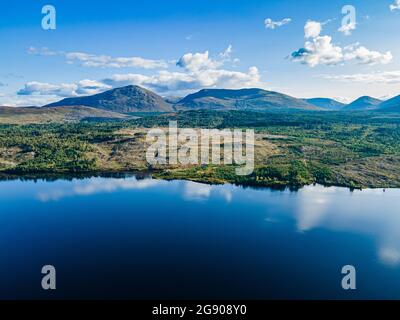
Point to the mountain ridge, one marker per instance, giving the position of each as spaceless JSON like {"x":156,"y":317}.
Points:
{"x":326,"y":103}
{"x":363,"y":103}
{"x":123,"y":100}
{"x":392,"y":104}
{"x":241,"y":99}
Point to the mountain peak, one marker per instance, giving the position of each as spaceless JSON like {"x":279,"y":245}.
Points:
{"x":363,"y":103}
{"x":125,"y":99}
{"x":391,"y":104}
{"x":326,"y":103}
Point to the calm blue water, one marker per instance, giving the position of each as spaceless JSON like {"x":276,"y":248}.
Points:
{"x":129,"y":238}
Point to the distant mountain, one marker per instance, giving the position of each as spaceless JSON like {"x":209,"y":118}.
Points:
{"x":125,"y":99}
{"x":172,"y":99}
{"x":326,"y":103}
{"x":242,"y":99}
{"x":24,"y":115}
{"x":392,"y":105}
{"x":363,"y":103}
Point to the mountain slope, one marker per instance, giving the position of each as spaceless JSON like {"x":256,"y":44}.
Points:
{"x":125,"y":99}
{"x":325,"y":103}
{"x":363,"y":103}
{"x":392,"y":105}
{"x":242,"y":99}
{"x":24,"y":115}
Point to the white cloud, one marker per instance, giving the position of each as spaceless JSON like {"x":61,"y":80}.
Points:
{"x":41,"y":88}
{"x":44,"y":51}
{"x":198,"y":61}
{"x":270,"y":24}
{"x":163,"y":81}
{"x":312,"y":29}
{"x":83,"y":87}
{"x":174,"y":82}
{"x":198,"y":71}
{"x":386,"y":77}
{"x":102,"y":61}
{"x":226,"y":54}
{"x":89,"y":87}
{"x":320,"y":50}
{"x":14,"y":100}
{"x":395,"y":5}
{"x":366,"y":56}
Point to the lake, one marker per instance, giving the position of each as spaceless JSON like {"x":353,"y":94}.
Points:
{"x":145,"y":238}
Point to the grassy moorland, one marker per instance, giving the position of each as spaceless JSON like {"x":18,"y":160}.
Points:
{"x":357,"y":150}
{"x":26,"y":115}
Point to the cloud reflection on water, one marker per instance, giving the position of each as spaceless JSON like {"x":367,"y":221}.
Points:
{"x":199,"y":191}
{"x":98,"y":185}
{"x":360,"y":212}
{"x":369,"y":212}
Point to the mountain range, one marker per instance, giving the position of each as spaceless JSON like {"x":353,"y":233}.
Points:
{"x":326,"y":103}
{"x":137,"y":99}
{"x":242,"y":99}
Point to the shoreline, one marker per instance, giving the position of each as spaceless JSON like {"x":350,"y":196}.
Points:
{"x":168,"y":176}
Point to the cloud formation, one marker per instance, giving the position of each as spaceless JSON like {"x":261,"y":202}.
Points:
{"x":395,"y":5}
{"x":365,"y":56}
{"x":270,"y":24}
{"x":166,"y":81}
{"x":312,"y":29}
{"x":14,"y":100}
{"x":385,"y":77}
{"x":196,"y":71}
{"x":43,"y":51}
{"x":197,"y":61}
{"x":83,"y":87}
{"x":104,"y":61}
{"x":320,"y":50}
{"x":100,"y":61}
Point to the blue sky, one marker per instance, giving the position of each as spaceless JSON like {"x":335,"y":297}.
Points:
{"x":175,"y":47}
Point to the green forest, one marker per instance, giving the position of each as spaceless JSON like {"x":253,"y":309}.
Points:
{"x":356,"y":149}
